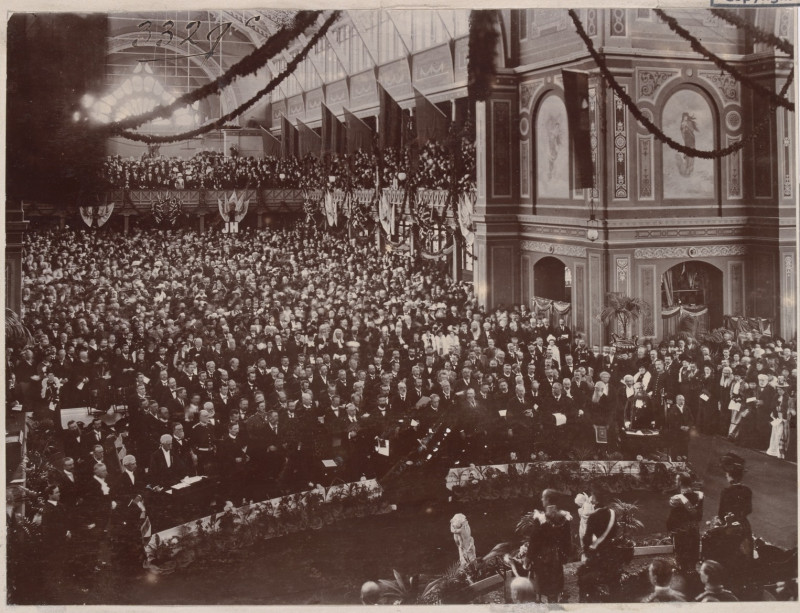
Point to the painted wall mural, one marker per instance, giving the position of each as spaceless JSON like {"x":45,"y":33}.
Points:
{"x":552,"y":149}
{"x":687,"y":118}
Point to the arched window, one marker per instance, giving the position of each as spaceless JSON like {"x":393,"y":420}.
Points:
{"x":139,"y":94}
{"x":687,"y":117}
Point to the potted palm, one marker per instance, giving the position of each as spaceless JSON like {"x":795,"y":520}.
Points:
{"x":620,"y":310}
{"x":628,"y":523}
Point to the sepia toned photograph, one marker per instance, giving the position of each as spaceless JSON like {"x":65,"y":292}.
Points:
{"x":431,"y":306}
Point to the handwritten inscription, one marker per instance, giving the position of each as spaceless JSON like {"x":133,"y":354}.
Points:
{"x":165,"y":35}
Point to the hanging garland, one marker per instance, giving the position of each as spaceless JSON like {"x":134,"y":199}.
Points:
{"x":758,"y":34}
{"x":246,"y":66}
{"x":276,"y":80}
{"x":480,"y":57}
{"x":653,"y":128}
{"x":698,"y":47}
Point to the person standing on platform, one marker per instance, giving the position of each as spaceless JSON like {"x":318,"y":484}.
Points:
{"x":602,"y":563}
{"x":685,"y":514}
{"x":549,"y":548}
{"x":679,"y":424}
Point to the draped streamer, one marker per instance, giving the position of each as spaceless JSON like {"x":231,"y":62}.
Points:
{"x":386,"y":213}
{"x":466,"y":209}
{"x":330,"y":209}
{"x":742,"y":325}
{"x":100,"y":214}
{"x":666,"y":283}
{"x":672,"y":316}
{"x":552,"y":309}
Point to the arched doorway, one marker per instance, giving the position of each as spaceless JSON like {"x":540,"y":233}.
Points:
{"x":552,"y":290}
{"x":552,"y":280}
{"x":691,"y":298}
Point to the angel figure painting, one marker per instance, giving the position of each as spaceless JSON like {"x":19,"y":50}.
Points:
{"x":552,"y":149}
{"x":687,"y":119}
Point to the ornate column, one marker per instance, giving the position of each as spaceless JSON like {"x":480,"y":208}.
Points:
{"x":496,"y":271}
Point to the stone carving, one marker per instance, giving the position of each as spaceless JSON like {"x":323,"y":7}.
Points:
{"x":788,"y":265}
{"x":554,"y":248}
{"x":651,"y":80}
{"x":526,"y":93}
{"x":591,"y":22}
{"x":733,"y":119}
{"x":618,"y":25}
{"x":622,"y":270}
{"x":462,"y":535}
{"x":725,"y":83}
{"x":705,"y":251}
{"x":620,"y":149}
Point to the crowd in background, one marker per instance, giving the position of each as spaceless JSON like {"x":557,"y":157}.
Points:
{"x":251,"y":358}
{"x":432,"y":168}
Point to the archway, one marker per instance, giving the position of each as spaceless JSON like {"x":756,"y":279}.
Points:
{"x":691,"y":298}
{"x":552,"y":289}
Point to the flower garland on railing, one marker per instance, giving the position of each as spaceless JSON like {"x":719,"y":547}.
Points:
{"x":758,"y":34}
{"x":291,"y":66}
{"x":246,"y":66}
{"x":653,"y":128}
{"x":697,"y":46}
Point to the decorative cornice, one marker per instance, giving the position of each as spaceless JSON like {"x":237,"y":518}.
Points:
{"x":554,"y":248}
{"x":704,"y":251}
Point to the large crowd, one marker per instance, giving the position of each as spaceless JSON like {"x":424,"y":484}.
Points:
{"x":432,"y":168}
{"x":251,"y":358}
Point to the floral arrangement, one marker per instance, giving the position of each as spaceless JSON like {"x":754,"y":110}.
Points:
{"x":223,"y":536}
{"x":526,"y":480}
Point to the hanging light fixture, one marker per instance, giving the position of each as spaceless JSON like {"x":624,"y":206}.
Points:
{"x":593,"y":225}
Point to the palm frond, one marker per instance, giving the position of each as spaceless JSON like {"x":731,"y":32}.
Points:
{"x":499,"y":550}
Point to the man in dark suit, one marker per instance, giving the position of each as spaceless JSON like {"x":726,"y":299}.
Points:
{"x":233,"y":460}
{"x":165,"y":468}
{"x":679,"y":422}
{"x":70,"y":488}
{"x":56,"y":520}
{"x":400,"y":402}
{"x":74,"y":440}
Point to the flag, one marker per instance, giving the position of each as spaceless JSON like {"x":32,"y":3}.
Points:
{"x":576,"y":95}
{"x":359,"y":135}
{"x":431,"y":122}
{"x":333,"y":132}
{"x":289,"y":138}
{"x":390,"y":121}
{"x":272,"y":146}
{"x":309,"y":141}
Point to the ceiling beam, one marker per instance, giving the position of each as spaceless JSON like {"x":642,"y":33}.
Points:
{"x":372,"y":52}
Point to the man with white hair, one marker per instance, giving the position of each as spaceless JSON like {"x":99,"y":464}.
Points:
{"x":165,"y":468}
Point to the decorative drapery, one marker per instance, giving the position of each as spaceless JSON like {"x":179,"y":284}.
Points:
{"x":100,"y":214}
{"x":666,"y":285}
{"x":551,"y":309}
{"x":742,"y":325}
{"x":466,"y":209}
{"x":672,"y":316}
{"x":331,"y":213}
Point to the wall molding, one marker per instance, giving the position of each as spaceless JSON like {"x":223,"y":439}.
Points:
{"x":704,"y":251}
{"x":554,"y":248}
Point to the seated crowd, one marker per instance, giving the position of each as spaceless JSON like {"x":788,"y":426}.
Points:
{"x":251,"y":358}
